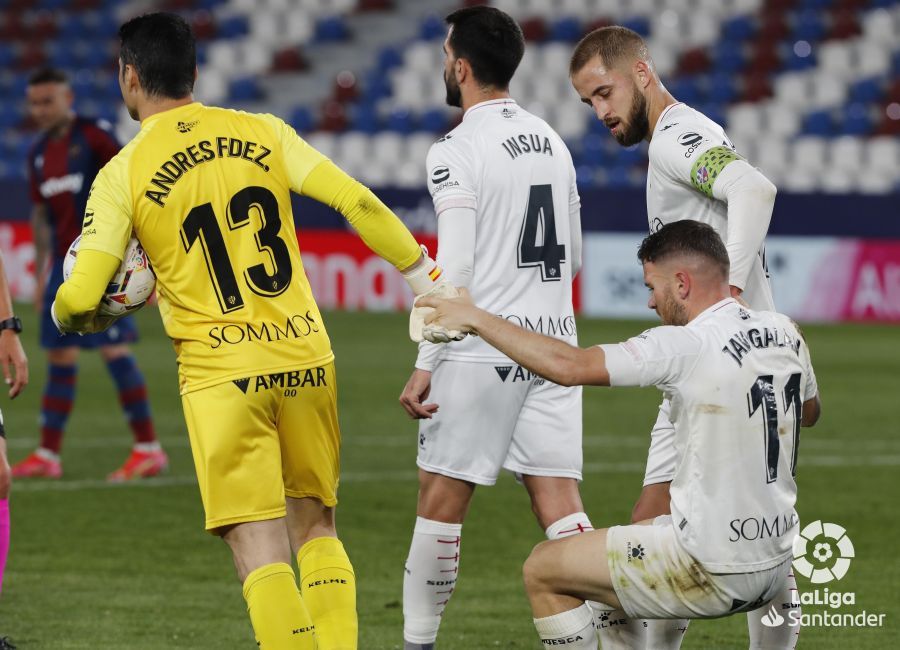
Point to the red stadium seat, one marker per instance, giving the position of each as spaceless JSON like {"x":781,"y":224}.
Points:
{"x":693,"y":61}
{"x":844,"y":24}
{"x":534,"y":29}
{"x":290,"y":59}
{"x":764,"y":59}
{"x":374,"y":5}
{"x":756,"y":87}
{"x":203,"y":25}
{"x":334,"y":117}
{"x":346,"y":89}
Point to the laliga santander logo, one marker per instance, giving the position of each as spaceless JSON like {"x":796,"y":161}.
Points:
{"x":822,"y":552}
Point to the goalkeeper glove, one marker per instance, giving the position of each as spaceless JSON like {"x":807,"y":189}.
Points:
{"x":426,"y":279}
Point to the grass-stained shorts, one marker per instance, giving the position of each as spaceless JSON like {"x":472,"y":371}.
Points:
{"x":257,"y":440}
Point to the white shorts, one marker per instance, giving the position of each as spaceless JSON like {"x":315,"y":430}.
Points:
{"x":661,"y":457}
{"x":654,"y":577}
{"x":499,"y":416}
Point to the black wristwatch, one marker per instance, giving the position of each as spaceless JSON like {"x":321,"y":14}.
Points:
{"x":14,"y":324}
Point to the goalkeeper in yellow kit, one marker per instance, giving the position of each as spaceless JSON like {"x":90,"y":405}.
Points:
{"x":207,"y":192}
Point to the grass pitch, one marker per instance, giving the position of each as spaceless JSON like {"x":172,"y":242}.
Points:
{"x":130,"y":567}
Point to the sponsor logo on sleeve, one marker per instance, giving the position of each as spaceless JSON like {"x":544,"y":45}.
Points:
{"x":691,"y":141}
{"x":440,"y":174}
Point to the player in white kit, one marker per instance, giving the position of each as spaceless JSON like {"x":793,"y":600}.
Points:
{"x":508,"y":212}
{"x":741,"y":384}
{"x":694,"y":173}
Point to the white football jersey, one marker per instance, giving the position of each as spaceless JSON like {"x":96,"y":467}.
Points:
{"x":737,"y":380}
{"x":687,"y":152}
{"x":517,"y":174}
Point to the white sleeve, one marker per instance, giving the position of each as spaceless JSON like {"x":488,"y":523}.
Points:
{"x":661,"y":357}
{"x":575,"y":226}
{"x":451,"y":179}
{"x":750,"y":197}
{"x":456,"y":255}
{"x":812,"y":386}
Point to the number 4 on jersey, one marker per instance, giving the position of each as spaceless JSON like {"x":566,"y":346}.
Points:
{"x":539,"y":216}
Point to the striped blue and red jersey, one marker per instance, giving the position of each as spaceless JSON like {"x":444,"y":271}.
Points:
{"x":61,"y":171}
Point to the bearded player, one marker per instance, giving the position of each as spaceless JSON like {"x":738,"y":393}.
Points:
{"x":694,"y":173}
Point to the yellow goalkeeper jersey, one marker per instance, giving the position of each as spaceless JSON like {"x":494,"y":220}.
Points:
{"x":207,"y":192}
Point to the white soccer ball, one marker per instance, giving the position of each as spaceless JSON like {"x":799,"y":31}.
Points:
{"x":129,"y":288}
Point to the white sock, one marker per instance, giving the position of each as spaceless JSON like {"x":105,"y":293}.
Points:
{"x":573,"y":629}
{"x":665,"y":633}
{"x":574,"y":524}
{"x":147,"y":447}
{"x":618,"y":632}
{"x":46,"y":454}
{"x":430,"y":577}
{"x":779,"y":637}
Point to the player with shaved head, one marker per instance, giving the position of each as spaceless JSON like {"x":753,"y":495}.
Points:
{"x":694,"y":173}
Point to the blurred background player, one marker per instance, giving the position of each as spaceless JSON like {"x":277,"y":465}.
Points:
{"x":694,"y":173}
{"x":509,"y":229}
{"x":15,"y":373}
{"x":62,"y":167}
{"x":256,"y":370}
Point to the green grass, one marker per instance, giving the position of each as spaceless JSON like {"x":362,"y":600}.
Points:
{"x":130,"y":567}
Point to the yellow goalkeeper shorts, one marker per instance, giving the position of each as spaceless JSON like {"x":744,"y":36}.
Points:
{"x":259,"y":439}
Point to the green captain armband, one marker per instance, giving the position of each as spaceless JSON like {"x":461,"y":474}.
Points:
{"x":708,"y":167}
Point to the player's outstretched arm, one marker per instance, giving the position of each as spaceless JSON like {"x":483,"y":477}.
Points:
{"x":11,"y":352}
{"x":77,"y":299}
{"x":550,"y":358}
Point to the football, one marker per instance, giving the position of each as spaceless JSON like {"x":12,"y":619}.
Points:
{"x":129,"y":288}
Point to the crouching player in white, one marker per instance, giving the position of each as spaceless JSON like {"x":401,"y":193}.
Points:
{"x":741,"y":385}
{"x":509,"y":230}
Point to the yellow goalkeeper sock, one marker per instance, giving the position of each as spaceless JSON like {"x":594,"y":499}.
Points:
{"x":277,"y":613}
{"x":328,"y":587}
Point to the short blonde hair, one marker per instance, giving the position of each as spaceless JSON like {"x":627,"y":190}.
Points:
{"x":613,"y":45}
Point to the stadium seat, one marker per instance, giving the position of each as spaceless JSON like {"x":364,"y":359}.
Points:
{"x":364,"y":118}
{"x":818,"y":123}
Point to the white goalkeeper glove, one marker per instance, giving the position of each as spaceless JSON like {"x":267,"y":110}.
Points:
{"x":426,"y":279}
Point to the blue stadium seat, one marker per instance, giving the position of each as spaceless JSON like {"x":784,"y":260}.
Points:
{"x":739,"y":28}
{"x":816,"y":4}
{"x":389,"y":57}
{"x":723,"y":88}
{"x":434,"y":120}
{"x":375,"y":86}
{"x":566,"y":29}
{"x":793,"y":62}
{"x":233,"y":27}
{"x":302,"y":119}
{"x":687,"y":90}
{"x":809,"y":25}
{"x":639,"y":24}
{"x":7,"y":54}
{"x":818,"y":123}
{"x":586,"y":176}
{"x":432,"y":27}
{"x":856,"y":120}
{"x":867,"y":90}
{"x":401,"y":121}
{"x":715,"y":112}
{"x":728,"y":56}
{"x":331,"y":29}
{"x":364,"y":118}
{"x":244,"y":89}
{"x":593,"y":150}
{"x":619,"y":177}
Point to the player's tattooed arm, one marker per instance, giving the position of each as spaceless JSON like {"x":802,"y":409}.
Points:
{"x":550,"y":358}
